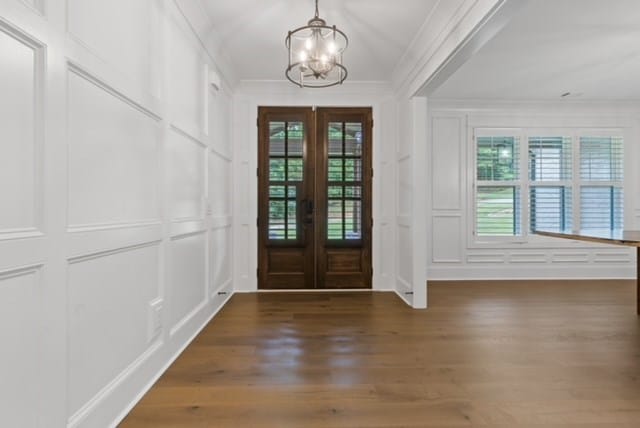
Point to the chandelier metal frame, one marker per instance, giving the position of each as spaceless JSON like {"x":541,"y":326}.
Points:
{"x":315,"y":54}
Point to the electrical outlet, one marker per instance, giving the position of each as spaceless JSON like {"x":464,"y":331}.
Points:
{"x":155,"y":319}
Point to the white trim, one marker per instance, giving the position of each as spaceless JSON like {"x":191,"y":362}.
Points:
{"x":168,"y":364}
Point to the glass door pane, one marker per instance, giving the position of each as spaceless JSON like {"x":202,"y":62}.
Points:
{"x":286,"y":172}
{"x":344,"y":182}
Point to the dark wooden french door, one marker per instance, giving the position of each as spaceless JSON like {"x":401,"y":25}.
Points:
{"x":314,"y":198}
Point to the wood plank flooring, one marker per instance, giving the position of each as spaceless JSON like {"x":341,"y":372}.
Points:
{"x":499,"y":354}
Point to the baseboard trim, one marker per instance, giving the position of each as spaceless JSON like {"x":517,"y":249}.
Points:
{"x":164,"y":367}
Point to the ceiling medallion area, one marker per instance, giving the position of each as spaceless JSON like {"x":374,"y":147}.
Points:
{"x":315,"y":54}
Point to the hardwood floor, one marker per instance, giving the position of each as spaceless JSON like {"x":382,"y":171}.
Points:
{"x":500,"y":354}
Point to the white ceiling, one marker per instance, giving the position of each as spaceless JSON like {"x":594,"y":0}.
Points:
{"x":588,"y":47}
{"x":379,"y":32}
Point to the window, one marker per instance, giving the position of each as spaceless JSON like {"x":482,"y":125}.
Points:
{"x":498,"y":186}
{"x":568,"y":182}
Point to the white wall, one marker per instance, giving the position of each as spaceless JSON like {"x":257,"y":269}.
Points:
{"x":115,"y":204}
{"x":247,"y":97}
{"x":410,"y":209}
{"x":453,"y":31}
{"x":454,"y":253}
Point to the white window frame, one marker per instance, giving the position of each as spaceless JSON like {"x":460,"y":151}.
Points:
{"x":495,"y":132}
{"x":525,"y":184}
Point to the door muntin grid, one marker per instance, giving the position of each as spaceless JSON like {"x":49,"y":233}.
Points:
{"x":344,"y":182}
{"x":286,"y":174}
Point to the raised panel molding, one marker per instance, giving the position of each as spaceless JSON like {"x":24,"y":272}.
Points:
{"x":113,"y":156}
{"x":219,"y":122}
{"x":107,"y":292}
{"x":387,"y":185}
{"x":446,"y":232}
{"x":567,"y":257}
{"x":446,"y":163}
{"x":612,"y":257}
{"x":220,"y":245}
{"x":20,"y":331}
{"x":219,"y":185}
{"x":21,"y":132}
{"x":35,"y":5}
{"x":404,"y":257}
{"x":186,"y":81}
{"x":527,"y":257}
{"x":188,"y":285}
{"x":405,"y":187}
{"x":132,"y":49}
{"x":186,"y":165}
{"x":180,"y":228}
{"x":486,"y":257}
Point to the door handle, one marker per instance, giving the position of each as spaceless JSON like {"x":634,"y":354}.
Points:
{"x":308,"y":211}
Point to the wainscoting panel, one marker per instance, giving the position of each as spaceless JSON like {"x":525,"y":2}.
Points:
{"x":405,"y":261}
{"x":131,"y":47}
{"x":113,"y":156}
{"x":405,"y":188}
{"x":20,"y":330}
{"x":186,"y":176}
{"x":446,"y":233}
{"x":445,"y":163}
{"x":187,"y":285}
{"x":108,"y":298}
{"x":220,"y":258}
{"x":219,"y":122}
{"x":20,"y":132}
{"x":105,"y":239}
{"x":219,"y":184}
{"x":186,"y":81}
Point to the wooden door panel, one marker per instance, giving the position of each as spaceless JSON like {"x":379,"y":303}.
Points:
{"x":343,"y":195}
{"x":314,"y":199}
{"x":285,"y":187}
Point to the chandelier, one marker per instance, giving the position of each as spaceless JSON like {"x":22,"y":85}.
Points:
{"x":315,"y":54}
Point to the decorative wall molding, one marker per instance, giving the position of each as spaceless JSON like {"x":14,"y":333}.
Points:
{"x":79,"y":416}
{"x":95,"y":78}
{"x":20,"y":271}
{"x":95,"y":227}
{"x":39,"y":48}
{"x":448,"y":151}
{"x":521,"y":272}
{"x":196,"y":139}
{"x":187,"y":318}
{"x":95,"y":246}
{"x":27,"y":232}
{"x":487,"y":257}
{"x":110,"y":252}
{"x":446,"y":229}
{"x":527,"y":257}
{"x":36,"y":6}
{"x":188,"y":234}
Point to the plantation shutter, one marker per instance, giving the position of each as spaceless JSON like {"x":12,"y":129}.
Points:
{"x":550,"y":197}
{"x":601,"y":190}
